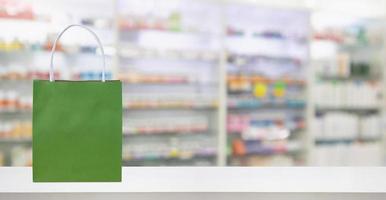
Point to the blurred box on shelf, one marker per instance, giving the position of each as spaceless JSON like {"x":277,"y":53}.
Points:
{"x":341,"y":154}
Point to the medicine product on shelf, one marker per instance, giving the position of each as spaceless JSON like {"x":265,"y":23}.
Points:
{"x":348,"y":154}
{"x":1,"y":159}
{"x":355,"y":94}
{"x":22,"y":156}
{"x":14,"y":130}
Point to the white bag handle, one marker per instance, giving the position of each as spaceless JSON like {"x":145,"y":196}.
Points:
{"x":52,"y":78}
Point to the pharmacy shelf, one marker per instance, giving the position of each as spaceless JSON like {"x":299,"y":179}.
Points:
{"x":350,"y":81}
{"x":263,"y":81}
{"x":128,"y":53}
{"x":332,"y":141}
{"x":253,"y":107}
{"x":347,"y":109}
{"x":350,"y":78}
{"x":17,"y":111}
{"x":78,"y":52}
{"x":15,"y":140}
{"x":167,"y":133}
{"x":174,"y":55}
{"x":212,"y":179}
{"x":169,"y":158}
{"x":267,"y":153}
{"x":132,"y":53}
{"x":196,"y":108}
{"x":181,"y":107}
{"x":293,"y":132}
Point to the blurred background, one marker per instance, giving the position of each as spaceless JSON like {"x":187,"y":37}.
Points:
{"x":210,"y":83}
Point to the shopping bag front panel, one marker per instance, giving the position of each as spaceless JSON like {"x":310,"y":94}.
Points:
{"x":77,"y":131}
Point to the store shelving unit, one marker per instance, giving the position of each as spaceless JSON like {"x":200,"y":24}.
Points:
{"x":24,"y":57}
{"x":348,"y":108}
{"x":169,"y":59}
{"x":266,"y":97}
{"x":208,"y":82}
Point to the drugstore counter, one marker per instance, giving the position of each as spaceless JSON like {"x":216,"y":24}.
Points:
{"x":193,"y":196}
{"x":212,"y":179}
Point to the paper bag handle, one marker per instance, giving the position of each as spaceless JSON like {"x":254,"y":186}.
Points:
{"x":52,"y":78}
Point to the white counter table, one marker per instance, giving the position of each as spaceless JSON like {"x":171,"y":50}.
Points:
{"x":213,"y":179}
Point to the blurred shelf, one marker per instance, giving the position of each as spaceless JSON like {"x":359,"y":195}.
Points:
{"x":179,"y":107}
{"x":159,"y":83}
{"x":233,"y":56}
{"x":166,"y":133}
{"x":250,"y":93}
{"x":243,"y":148}
{"x":277,"y":37}
{"x":164,"y":31}
{"x":132,"y":52}
{"x":240,"y":45}
{"x":347,"y":109}
{"x":184,"y":82}
{"x":170,"y":83}
{"x":333,"y":141}
{"x":262,"y":79}
{"x":15,"y":140}
{"x":350,"y":78}
{"x":268,"y":106}
{"x":180,"y":156}
{"x":28,"y":18}
{"x":142,"y":78}
{"x":16,"y":111}
{"x":32,"y":48}
{"x":21,"y":80}
{"x":292,"y":132}
{"x":67,"y":53}
{"x":268,"y":153}
{"x":126,"y":108}
{"x":339,"y":40}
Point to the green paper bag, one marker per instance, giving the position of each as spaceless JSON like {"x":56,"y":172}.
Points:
{"x":77,"y":129}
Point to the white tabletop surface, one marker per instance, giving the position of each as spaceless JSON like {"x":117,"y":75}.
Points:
{"x":213,"y":179}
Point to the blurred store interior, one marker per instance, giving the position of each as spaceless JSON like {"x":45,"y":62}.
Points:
{"x":210,"y":82}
